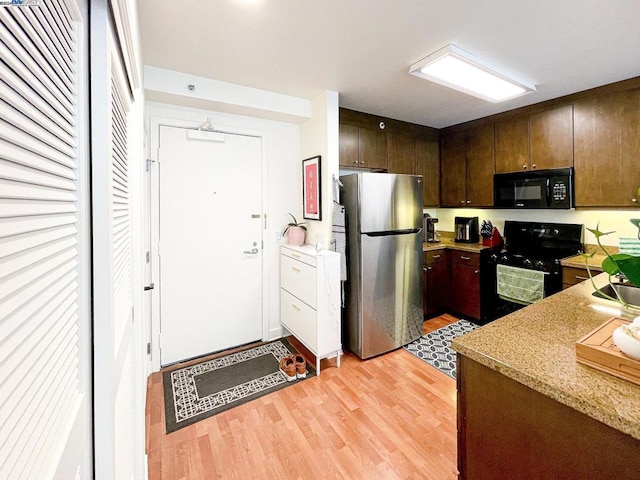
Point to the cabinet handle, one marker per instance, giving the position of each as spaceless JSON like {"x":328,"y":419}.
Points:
{"x":462,"y":257}
{"x":524,"y":167}
{"x":634,"y":200}
{"x":361,"y":162}
{"x":578,"y":277}
{"x":295,"y":255}
{"x":295,"y":306}
{"x":468,"y":201}
{"x":355,"y":162}
{"x":461,"y":202}
{"x":534,"y":165}
{"x":436,"y":256}
{"x":429,"y":268}
{"x":475,"y":272}
{"x":295,"y":269}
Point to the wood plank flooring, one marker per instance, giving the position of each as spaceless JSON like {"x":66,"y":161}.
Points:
{"x":390,"y":417}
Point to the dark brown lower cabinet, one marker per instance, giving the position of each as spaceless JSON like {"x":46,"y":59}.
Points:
{"x":435,"y":281}
{"x":509,"y":431}
{"x":464,"y":292}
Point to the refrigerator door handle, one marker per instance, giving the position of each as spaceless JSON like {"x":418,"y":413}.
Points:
{"x":407,"y":231}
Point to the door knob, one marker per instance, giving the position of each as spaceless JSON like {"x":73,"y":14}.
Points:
{"x":253,"y":251}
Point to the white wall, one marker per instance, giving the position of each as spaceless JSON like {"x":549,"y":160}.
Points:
{"x":617,"y":220}
{"x":319,"y":136}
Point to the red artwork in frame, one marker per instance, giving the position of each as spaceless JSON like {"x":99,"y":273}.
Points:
{"x":311,"y":192}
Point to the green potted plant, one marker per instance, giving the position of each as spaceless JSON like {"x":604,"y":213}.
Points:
{"x":617,"y":264}
{"x":295,"y":231}
{"x":627,"y":267}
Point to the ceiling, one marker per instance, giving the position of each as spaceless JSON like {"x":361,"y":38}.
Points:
{"x":363,"y":48}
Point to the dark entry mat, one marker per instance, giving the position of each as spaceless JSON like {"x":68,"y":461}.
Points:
{"x":199,"y":391}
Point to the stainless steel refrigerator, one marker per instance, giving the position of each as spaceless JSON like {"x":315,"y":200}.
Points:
{"x":383,"y":302}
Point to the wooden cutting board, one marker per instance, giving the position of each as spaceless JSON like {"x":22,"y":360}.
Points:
{"x":597,"y":349}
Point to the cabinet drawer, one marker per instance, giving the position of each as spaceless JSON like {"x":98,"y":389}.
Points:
{"x":573,"y":276}
{"x":433,"y":256}
{"x":299,"y":279}
{"x":299,"y":318}
{"x":467,"y":258}
{"x":308,"y":259}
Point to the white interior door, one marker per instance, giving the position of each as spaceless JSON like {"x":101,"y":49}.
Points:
{"x":210,"y":242}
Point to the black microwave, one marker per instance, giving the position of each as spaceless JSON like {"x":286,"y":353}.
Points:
{"x":534,"y":189}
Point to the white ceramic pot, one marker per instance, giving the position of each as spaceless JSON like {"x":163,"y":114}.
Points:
{"x":295,"y":235}
{"x":627,"y":338}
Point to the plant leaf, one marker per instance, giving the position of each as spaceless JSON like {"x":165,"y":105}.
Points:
{"x":597,"y":232}
{"x":630,"y":267}
{"x":611,"y":263}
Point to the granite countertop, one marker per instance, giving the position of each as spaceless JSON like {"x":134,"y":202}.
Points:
{"x":577,"y":261}
{"x":448,"y":242}
{"x":536,"y":347}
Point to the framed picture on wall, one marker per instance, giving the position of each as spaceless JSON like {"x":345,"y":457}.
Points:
{"x":311,"y":191}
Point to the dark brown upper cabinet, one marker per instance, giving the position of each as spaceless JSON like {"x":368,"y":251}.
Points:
{"x":607,"y":150}
{"x":401,"y":153}
{"x":428,"y":165}
{"x":551,"y":138}
{"x":467,"y":167}
{"x":535,"y":142}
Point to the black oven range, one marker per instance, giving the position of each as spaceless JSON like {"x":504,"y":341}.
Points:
{"x":538,"y":246}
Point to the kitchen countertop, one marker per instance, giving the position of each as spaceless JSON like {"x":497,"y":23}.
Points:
{"x":577,"y":261}
{"x":446,"y":242}
{"x":535,"y":346}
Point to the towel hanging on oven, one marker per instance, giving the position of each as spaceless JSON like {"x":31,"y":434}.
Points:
{"x":520,"y":285}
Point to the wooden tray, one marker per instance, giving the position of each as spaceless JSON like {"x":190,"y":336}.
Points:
{"x":597,"y":350}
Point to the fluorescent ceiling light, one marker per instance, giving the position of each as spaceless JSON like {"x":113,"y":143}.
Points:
{"x":454,"y":68}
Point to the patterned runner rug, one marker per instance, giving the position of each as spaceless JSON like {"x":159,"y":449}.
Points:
{"x":201,"y":390}
{"x":435,"y":347}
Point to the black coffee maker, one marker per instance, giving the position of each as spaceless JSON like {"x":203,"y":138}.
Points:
{"x":466,"y":229}
{"x":429,"y":227}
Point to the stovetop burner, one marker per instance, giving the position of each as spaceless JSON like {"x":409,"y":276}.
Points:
{"x":539,"y":245}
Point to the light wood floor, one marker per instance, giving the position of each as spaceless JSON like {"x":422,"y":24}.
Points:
{"x":390,"y":417}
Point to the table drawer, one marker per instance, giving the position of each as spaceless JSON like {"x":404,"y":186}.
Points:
{"x":299,"y":279}
{"x":299,"y":318}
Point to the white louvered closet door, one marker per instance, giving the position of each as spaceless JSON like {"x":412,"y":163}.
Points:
{"x":45,"y":421}
{"x":117,"y":345}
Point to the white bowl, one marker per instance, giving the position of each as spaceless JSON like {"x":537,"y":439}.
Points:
{"x":627,"y":340}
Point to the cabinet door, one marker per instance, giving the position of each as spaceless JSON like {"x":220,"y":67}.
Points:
{"x":479,"y":152}
{"x":401,"y":154}
{"x":428,"y":165}
{"x":372,"y":148}
{"x":437,"y":285}
{"x":512,"y":145}
{"x":453,"y":170}
{"x":465,"y":289}
{"x":607,"y":149}
{"x":348,"y":145}
{"x":551,"y":138}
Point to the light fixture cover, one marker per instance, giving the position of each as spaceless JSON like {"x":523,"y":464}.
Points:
{"x":454,"y":68}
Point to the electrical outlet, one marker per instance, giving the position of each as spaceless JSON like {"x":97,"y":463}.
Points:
{"x":278,"y":237}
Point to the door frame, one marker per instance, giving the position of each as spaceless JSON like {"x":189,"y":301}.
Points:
{"x":153,"y":148}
